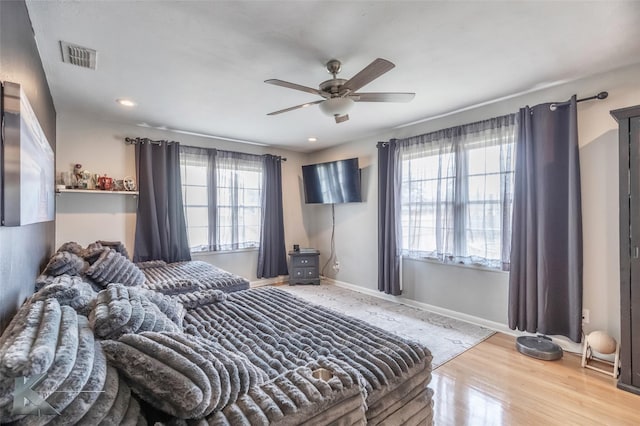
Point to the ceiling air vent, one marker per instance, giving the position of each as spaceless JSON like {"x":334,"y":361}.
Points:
{"x":78,"y":55}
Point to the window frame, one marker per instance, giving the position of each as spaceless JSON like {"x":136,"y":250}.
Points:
{"x":453,"y":237}
{"x":216,"y":242}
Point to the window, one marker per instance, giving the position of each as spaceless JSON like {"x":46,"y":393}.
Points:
{"x":457,"y":193}
{"x":222,"y":199}
{"x":196,"y":204}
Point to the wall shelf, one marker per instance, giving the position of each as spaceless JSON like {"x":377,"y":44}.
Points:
{"x":95,"y":191}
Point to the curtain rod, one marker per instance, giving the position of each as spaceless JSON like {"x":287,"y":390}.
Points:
{"x":601,"y":95}
{"x":133,"y":141}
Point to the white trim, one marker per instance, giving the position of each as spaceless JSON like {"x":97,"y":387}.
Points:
{"x":203,"y":135}
{"x":485,"y":103}
{"x":457,"y":265}
{"x":282,"y":279}
{"x":563,"y":342}
{"x":221,"y":252}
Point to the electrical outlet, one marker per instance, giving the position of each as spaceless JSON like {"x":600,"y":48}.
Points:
{"x":336,"y":266}
{"x":585,"y":316}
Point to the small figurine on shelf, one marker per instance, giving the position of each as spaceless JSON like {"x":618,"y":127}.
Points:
{"x":86,"y":179}
{"x":77,"y":174}
{"x":66,"y":180}
{"x":105,"y":183}
{"x":129,"y":184}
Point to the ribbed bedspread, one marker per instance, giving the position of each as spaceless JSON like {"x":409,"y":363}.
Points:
{"x":279,"y":332}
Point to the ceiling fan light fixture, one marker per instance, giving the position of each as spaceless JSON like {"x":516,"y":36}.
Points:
{"x":126,"y":102}
{"x":336,"y":106}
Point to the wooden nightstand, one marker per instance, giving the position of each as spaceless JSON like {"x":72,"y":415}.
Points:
{"x":305,"y":268}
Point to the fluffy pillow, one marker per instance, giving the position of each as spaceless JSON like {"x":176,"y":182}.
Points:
{"x":167,"y":305}
{"x":72,"y":247}
{"x":48,"y":338}
{"x":44,"y":337}
{"x":65,"y":262}
{"x":116,"y":245}
{"x":28,"y":345}
{"x":93,"y":252}
{"x":172,"y":287}
{"x":179,"y":374}
{"x":118,"y":311}
{"x":112,"y":267}
{"x":69,"y":291}
{"x":200,"y":298}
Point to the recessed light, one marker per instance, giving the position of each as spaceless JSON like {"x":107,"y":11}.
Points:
{"x":312,"y":139}
{"x":126,"y":102}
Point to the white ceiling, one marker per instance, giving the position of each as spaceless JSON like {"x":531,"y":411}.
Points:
{"x":200,"y":66}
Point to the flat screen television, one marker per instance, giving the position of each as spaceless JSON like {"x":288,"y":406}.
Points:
{"x":333,"y":182}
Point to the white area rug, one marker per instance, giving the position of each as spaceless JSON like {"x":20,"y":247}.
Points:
{"x":445,"y":337}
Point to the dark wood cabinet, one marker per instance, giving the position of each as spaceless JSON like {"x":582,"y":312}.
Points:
{"x":305,"y":268}
{"x":629,"y":152}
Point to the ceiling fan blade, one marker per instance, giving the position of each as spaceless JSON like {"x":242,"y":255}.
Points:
{"x":372,"y":71}
{"x":295,"y":107}
{"x":341,"y":118}
{"x":294,"y":86}
{"x":382,"y":97}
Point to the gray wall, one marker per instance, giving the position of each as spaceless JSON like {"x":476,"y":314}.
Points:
{"x":23,"y":250}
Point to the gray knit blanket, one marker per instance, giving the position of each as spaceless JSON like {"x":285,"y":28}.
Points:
{"x":180,"y":277}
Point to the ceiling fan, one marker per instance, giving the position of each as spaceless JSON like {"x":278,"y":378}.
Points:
{"x":339,"y":94}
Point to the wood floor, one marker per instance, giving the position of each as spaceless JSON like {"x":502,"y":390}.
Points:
{"x":493,"y":384}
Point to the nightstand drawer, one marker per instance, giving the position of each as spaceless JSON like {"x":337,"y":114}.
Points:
{"x":304,"y":261}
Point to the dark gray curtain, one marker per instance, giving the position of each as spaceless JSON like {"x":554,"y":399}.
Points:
{"x":545,"y":283}
{"x":161,"y":232}
{"x":388,"y":218}
{"x":272,"y":256}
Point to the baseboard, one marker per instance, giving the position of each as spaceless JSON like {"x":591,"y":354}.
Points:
{"x":564,"y":343}
{"x":282,"y":279}
{"x":628,"y":388}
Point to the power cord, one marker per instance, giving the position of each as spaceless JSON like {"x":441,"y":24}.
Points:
{"x":332,"y":255}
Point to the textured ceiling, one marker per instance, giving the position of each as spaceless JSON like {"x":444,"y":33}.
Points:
{"x":200,"y":66}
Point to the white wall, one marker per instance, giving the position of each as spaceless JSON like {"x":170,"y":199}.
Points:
{"x":480,"y":293}
{"x":99,"y":146}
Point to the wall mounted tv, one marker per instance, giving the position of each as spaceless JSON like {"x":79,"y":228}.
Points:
{"x":332,"y":182}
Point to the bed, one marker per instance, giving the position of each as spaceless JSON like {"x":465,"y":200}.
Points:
{"x":159,"y":343}
{"x":206,"y":275}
